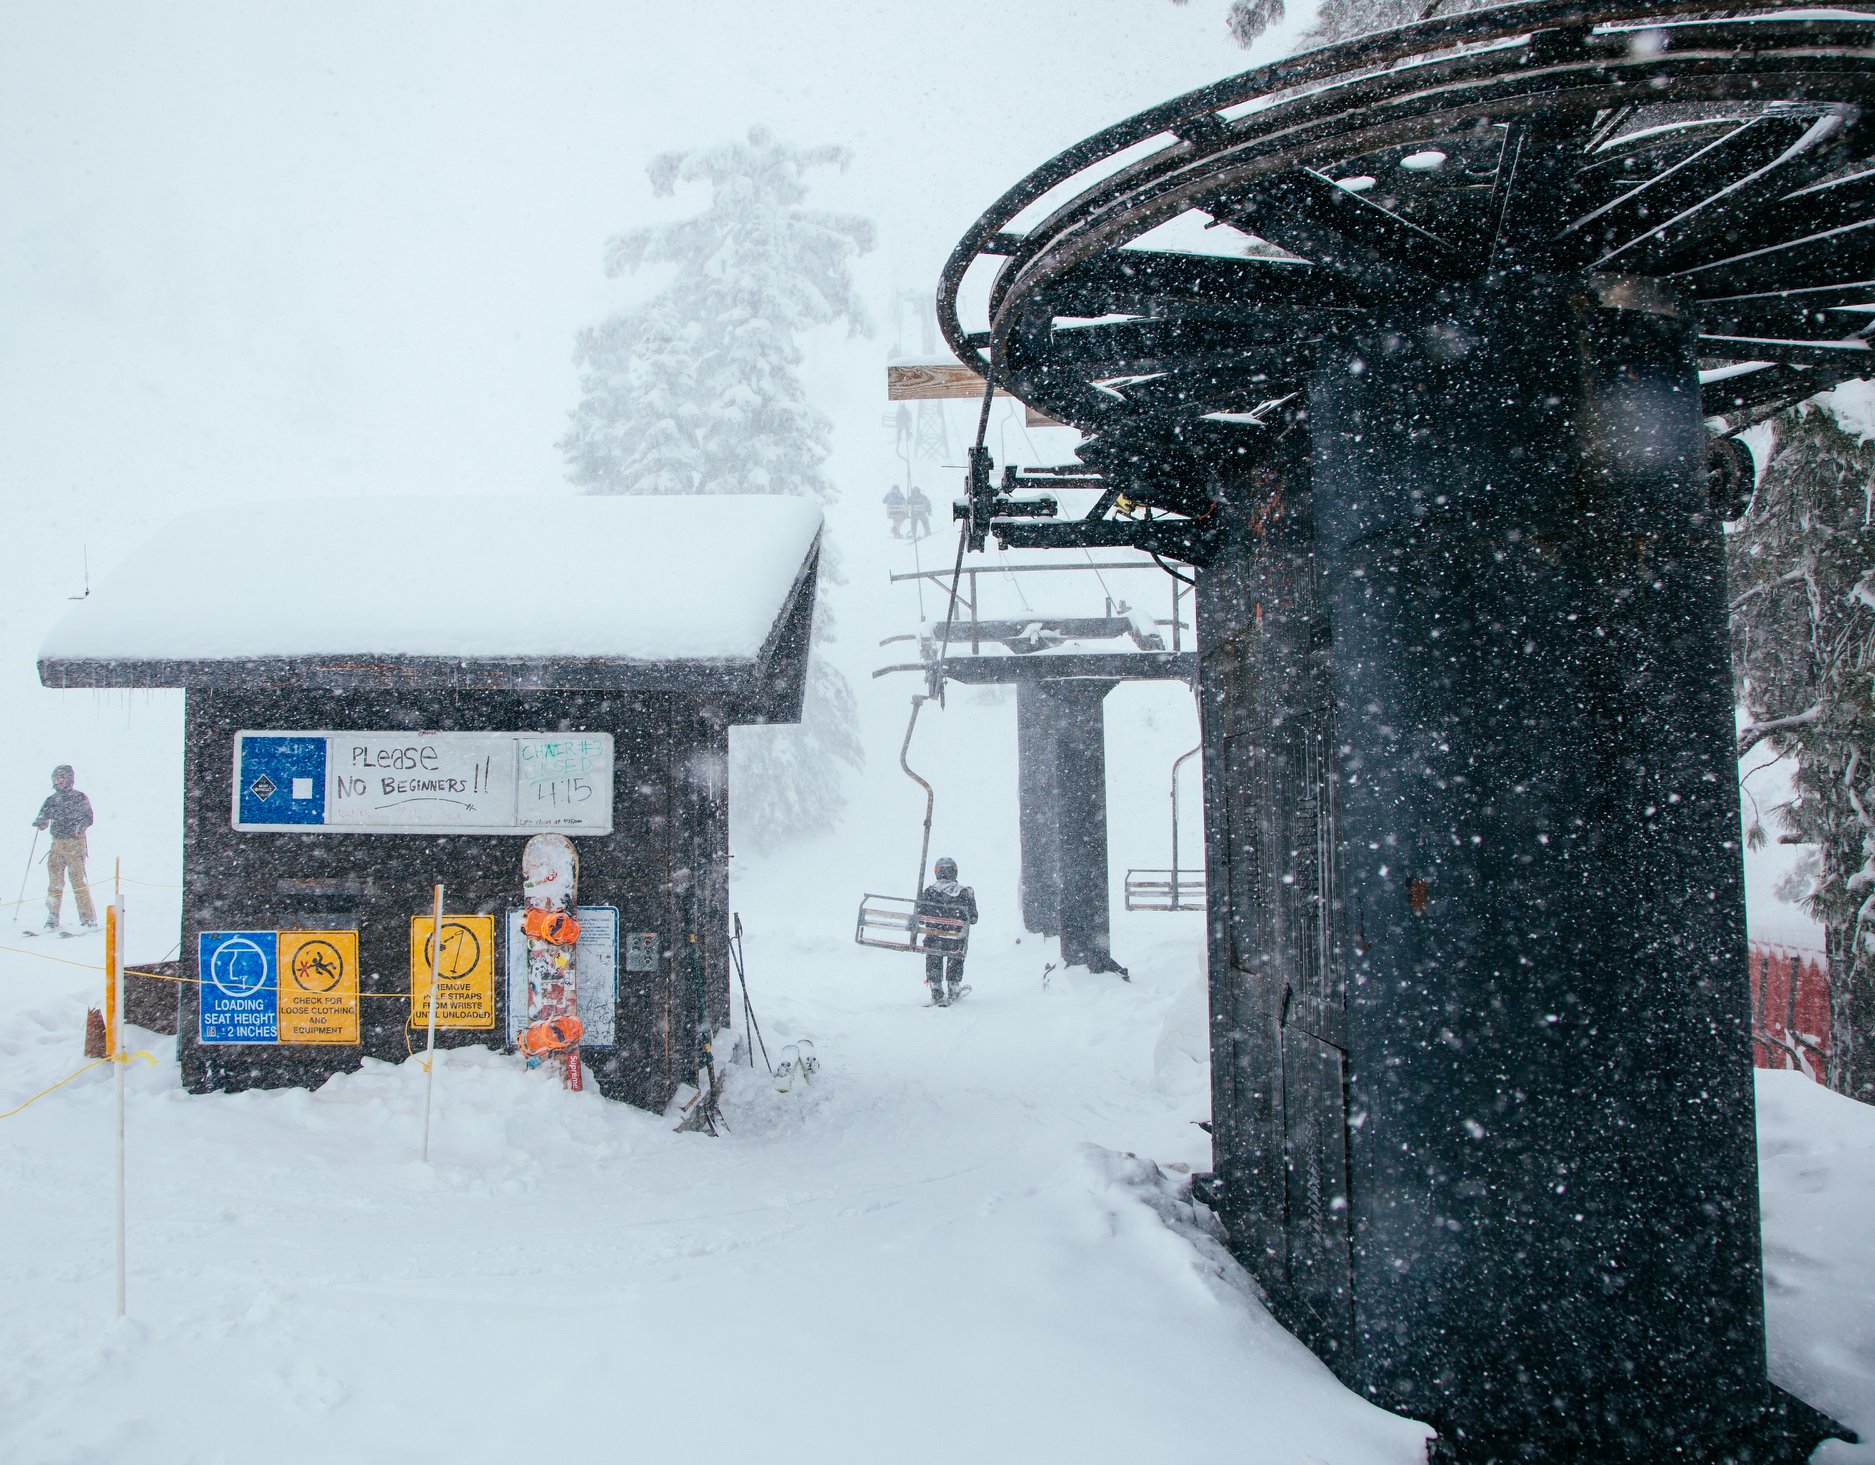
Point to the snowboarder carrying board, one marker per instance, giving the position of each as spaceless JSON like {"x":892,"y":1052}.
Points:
{"x":67,"y":814}
{"x":944,"y":945}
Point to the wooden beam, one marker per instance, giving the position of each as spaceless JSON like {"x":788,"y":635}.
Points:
{"x":926,"y":381}
{"x":933,"y":381}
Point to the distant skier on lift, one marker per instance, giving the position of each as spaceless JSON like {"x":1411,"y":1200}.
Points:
{"x":894,"y":502}
{"x":944,"y":951}
{"x":918,"y":511}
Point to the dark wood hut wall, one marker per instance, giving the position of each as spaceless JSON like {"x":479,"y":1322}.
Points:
{"x":664,"y":866}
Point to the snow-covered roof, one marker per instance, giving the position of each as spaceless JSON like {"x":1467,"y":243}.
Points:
{"x":622,"y":582}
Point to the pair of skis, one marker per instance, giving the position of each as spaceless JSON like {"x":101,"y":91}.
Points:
{"x":798,"y":1065}
{"x":93,"y":929}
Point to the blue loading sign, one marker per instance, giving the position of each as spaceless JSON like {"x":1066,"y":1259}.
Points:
{"x":240,"y":986}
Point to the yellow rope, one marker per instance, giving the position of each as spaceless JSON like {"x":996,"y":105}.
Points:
{"x":95,"y":966}
{"x":7,"y":905}
{"x":120,"y":1058}
{"x":422,"y":1063}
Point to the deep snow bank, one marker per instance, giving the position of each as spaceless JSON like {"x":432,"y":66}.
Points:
{"x":1816,"y":1185}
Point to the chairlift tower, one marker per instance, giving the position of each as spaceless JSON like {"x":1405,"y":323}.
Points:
{"x":1428,"y":352}
{"x":1062,"y":668}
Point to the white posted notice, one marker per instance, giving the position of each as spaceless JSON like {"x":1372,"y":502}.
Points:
{"x":423,"y":782}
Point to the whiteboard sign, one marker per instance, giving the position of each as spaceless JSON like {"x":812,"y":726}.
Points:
{"x":423,"y":782}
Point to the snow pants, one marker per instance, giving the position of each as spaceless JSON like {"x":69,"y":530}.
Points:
{"x":67,"y":858}
{"x":944,"y":966}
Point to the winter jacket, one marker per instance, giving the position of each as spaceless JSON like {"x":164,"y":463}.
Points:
{"x":959,"y":903}
{"x":67,"y":811}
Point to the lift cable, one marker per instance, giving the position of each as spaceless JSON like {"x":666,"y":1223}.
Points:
{"x":1105,"y":589}
{"x":963,"y":539}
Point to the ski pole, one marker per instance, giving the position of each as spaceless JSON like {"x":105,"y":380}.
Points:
{"x":114,"y":1049}
{"x":748,"y":1007}
{"x":19,"y":904}
{"x":436,"y":981}
{"x":706,"y":1066}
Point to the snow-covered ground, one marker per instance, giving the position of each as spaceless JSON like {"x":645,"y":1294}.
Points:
{"x":938,"y":1250}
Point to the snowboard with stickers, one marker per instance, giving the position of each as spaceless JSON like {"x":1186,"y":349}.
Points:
{"x":550,"y":926}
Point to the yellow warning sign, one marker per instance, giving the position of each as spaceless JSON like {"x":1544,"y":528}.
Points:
{"x":318,"y":986}
{"x":466,"y":971}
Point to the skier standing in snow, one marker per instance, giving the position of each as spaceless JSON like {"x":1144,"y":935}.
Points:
{"x":944,"y":947}
{"x":894,"y":502}
{"x":67,"y":813}
{"x":918,"y":510}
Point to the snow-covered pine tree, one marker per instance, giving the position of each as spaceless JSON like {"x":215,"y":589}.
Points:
{"x":698,"y":390}
{"x":1341,"y":20}
{"x":1336,"y":20}
{"x":1248,"y":19}
{"x":1802,"y":566}
{"x":634,"y":430}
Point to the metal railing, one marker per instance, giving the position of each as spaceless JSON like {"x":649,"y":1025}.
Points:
{"x":968,"y":596}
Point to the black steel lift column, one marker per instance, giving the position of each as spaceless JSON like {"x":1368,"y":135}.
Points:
{"x":1061,"y":748}
{"x":1426,"y":351}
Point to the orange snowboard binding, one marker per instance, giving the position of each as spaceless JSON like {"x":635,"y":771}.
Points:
{"x":553,"y":926}
{"x":556,"y":1035}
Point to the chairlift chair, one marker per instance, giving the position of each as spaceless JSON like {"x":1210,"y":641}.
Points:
{"x":892,"y":922}
{"x":1165,"y":890}
{"x":1173,"y":889}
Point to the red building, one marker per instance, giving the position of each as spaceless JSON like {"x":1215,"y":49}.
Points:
{"x":1789,"y":1008}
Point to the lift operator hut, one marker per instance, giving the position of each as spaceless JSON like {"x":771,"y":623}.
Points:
{"x":412,"y":703}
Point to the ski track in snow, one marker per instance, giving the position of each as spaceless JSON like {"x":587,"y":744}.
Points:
{"x":932,"y":1252}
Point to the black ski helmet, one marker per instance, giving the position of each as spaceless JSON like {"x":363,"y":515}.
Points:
{"x":945,"y":868}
